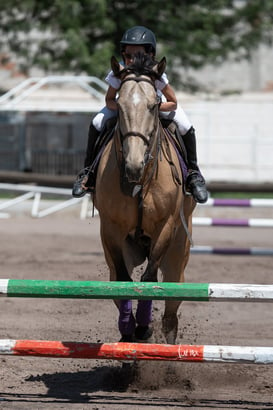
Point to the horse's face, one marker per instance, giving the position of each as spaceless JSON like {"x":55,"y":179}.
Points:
{"x":138,"y":122}
{"x":138,"y":109}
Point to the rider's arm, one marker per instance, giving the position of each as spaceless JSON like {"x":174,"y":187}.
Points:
{"x":110,"y":98}
{"x":171,"y":103}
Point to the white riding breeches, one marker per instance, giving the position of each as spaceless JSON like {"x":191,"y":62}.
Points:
{"x":102,"y":117}
{"x":178,"y":116}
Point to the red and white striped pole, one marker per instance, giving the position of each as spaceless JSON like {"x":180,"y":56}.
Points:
{"x":138,"y":351}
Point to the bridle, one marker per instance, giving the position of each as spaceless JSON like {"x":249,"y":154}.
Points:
{"x":138,"y":80}
{"x":136,"y":133}
{"x":151,"y":154}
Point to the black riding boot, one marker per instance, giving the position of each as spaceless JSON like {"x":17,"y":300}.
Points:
{"x":85,"y":176}
{"x":195,"y":182}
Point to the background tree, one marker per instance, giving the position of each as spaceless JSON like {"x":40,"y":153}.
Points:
{"x":81,"y":35}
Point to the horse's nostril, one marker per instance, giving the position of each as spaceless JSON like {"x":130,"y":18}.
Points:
{"x":134,"y":173}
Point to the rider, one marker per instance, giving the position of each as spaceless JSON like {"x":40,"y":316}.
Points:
{"x":141,"y":39}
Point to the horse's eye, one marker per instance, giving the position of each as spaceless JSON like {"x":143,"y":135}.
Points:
{"x":151,"y":107}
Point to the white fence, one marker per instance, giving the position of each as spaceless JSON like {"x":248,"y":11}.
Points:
{"x":234,"y":137}
{"x":35,"y":193}
{"x":37,"y":94}
{"x":234,"y":134}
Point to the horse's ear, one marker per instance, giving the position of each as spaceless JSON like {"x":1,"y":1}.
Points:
{"x":161,"y":66}
{"x":116,"y":67}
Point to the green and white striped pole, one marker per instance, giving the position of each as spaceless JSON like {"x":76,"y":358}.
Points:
{"x":135,"y":290}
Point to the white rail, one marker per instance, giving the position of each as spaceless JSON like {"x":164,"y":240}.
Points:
{"x":23,"y":91}
{"x":35,"y":193}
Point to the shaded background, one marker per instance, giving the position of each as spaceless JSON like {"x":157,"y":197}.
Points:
{"x":220,"y":62}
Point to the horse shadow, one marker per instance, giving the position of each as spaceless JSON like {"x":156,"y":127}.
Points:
{"x":105,"y":385}
{"x":76,"y":387}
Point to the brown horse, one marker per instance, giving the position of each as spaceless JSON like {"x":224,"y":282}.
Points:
{"x":140,"y":199}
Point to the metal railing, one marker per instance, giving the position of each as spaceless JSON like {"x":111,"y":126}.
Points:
{"x":11,"y":99}
{"x":35,"y":193}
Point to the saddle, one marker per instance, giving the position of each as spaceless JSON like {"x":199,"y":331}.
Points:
{"x":175,"y":138}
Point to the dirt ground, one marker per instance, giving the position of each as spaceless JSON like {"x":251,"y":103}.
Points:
{"x":62,"y":246}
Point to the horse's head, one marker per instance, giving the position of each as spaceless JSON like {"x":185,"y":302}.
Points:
{"x":138,"y":111}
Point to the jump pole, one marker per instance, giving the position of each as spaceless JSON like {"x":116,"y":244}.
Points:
{"x":138,"y":351}
{"x":251,"y":223}
{"x":135,"y":290}
{"x":248,"y":203}
{"x":203,"y":249}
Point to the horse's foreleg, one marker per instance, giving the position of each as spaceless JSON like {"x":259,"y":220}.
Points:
{"x":144,"y":312}
{"x":143,"y":319}
{"x":126,"y":322}
{"x":116,"y":264}
{"x":150,"y":274}
{"x":119,"y":272}
{"x":173,"y":266}
{"x":159,"y":245}
{"x":170,"y":321}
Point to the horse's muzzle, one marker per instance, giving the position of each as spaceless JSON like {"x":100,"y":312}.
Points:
{"x":134,"y":172}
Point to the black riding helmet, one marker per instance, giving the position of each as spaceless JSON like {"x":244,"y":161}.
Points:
{"x":139,"y":35}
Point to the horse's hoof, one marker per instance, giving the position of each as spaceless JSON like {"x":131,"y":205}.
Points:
{"x":148,"y":278}
{"x":143,"y":333}
{"x":127,"y":338}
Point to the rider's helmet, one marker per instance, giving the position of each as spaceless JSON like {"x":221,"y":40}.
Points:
{"x":139,"y":35}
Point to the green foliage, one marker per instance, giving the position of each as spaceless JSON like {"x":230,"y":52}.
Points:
{"x":81,"y":35}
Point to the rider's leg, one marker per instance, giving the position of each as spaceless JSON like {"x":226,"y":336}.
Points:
{"x":93,"y":135}
{"x":195,"y":181}
{"x":85,"y":181}
{"x":79,"y":188}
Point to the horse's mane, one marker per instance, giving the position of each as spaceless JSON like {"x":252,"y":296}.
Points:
{"x":143,"y":64}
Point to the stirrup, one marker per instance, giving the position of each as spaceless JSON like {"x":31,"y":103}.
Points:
{"x":196,"y":184}
{"x":78,"y":191}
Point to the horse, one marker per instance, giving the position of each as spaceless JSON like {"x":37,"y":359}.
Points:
{"x":140,"y":199}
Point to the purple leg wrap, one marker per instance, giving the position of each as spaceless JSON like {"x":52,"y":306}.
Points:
{"x":144,"y":312}
{"x":126,"y":323}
